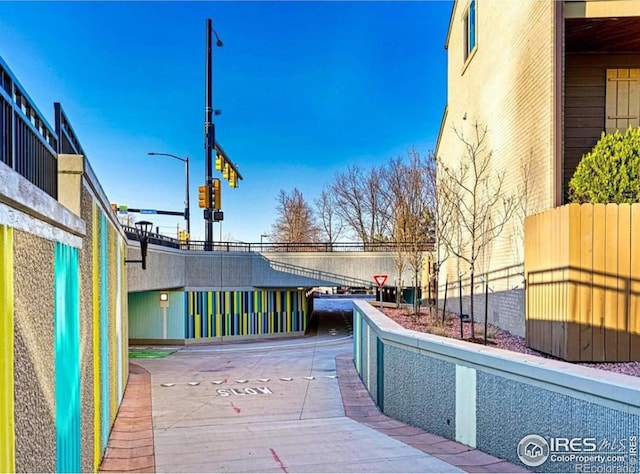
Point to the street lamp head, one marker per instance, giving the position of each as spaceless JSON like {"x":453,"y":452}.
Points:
{"x":144,"y":228}
{"x":219,"y":42}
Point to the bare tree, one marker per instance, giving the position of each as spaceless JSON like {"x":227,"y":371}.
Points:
{"x":479,"y":206}
{"x":409,"y":194}
{"x":330,"y":223}
{"x":443,"y":224}
{"x":361,"y":204}
{"x":295,"y":221}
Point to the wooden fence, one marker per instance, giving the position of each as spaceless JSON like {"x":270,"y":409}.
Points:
{"x":582,"y":266}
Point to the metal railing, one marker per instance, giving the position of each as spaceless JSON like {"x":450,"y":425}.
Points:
{"x":197,"y":245}
{"x":28,"y":144}
{"x":67,"y":139}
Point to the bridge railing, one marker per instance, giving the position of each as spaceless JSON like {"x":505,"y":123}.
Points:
{"x":28,"y":144}
{"x":198,"y":245}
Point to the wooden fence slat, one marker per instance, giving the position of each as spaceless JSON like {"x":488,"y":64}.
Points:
{"x":530,"y":247}
{"x":624,"y":264}
{"x":559,"y":261}
{"x":586,"y":279}
{"x":611,"y":284}
{"x":572,"y":333}
{"x":530,"y":261}
{"x":599,"y":226}
{"x":535,"y":280}
{"x":634,"y":299}
{"x":547,"y":260}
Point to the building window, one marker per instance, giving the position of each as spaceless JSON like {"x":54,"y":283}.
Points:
{"x":622,"y":99}
{"x":470,"y":29}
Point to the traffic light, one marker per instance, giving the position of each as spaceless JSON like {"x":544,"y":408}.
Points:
{"x":226,"y":171}
{"x":220,"y":163}
{"x":233,"y":179}
{"x":204,"y":196}
{"x":217,"y":194}
{"x":182,"y":235}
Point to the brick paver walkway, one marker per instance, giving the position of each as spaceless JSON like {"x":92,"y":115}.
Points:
{"x":360,"y":407}
{"x":130,"y":447}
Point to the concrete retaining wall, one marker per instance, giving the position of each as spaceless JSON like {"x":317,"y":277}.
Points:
{"x":63,"y":319}
{"x":492,"y":399}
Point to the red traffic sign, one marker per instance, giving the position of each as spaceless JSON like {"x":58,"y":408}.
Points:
{"x":380,"y":279}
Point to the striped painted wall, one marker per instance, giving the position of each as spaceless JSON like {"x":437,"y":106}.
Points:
{"x":104,"y":287}
{"x":244,"y":313}
{"x":110,"y":336}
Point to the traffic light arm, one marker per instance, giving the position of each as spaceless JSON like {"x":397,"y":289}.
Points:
{"x":226,"y":159}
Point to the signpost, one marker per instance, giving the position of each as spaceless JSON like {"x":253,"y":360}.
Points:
{"x":380,"y":279}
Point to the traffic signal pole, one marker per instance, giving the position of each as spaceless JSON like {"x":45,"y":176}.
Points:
{"x":209,"y":138}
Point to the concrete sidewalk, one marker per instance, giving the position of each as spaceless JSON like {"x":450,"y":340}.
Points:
{"x":281,"y":406}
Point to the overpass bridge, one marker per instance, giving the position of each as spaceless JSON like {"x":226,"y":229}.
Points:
{"x":242,"y":290}
{"x":241,"y":265}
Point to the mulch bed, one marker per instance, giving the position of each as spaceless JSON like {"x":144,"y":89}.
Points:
{"x":431,"y":322}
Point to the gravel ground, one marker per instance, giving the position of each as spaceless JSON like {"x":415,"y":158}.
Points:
{"x":497,"y":337}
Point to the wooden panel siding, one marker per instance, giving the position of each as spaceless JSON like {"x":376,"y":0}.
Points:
{"x":584,"y":104}
{"x":583,"y":285}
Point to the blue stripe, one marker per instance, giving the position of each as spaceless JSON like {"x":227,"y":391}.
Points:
{"x":67,"y":357}
{"x":104,"y":335}
{"x":186,"y":314}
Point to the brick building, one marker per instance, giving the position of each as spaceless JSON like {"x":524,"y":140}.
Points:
{"x":546,"y":78}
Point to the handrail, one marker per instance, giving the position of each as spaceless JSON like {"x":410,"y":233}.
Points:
{"x":30,"y":147}
{"x":197,"y":245}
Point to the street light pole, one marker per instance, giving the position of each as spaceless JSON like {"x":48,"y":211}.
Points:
{"x":209,"y":129}
{"x":187,"y":208}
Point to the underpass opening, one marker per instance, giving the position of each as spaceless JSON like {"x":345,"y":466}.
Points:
{"x":332,"y":313}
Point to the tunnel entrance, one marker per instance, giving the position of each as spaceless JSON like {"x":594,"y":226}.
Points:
{"x":333,"y":314}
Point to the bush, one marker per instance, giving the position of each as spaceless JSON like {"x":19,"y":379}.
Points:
{"x":610,"y":172}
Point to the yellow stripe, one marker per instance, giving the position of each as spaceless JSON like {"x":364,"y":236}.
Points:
{"x":125,"y":317}
{"x":112,"y":323}
{"x":217,"y":313}
{"x":97,"y":452}
{"x":197,"y":327}
{"x":7,"y":417}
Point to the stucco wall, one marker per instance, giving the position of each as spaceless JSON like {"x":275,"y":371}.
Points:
{"x":86,"y":335}
{"x":60,"y":288}
{"x":491,"y":399}
{"x":35,"y":401}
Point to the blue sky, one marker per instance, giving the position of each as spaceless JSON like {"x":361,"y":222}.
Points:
{"x":305,"y":89}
